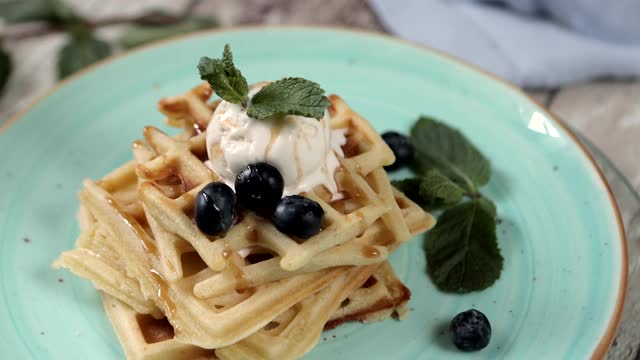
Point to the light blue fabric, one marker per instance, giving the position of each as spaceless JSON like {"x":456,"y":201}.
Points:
{"x":616,"y":20}
{"x":517,"y":43}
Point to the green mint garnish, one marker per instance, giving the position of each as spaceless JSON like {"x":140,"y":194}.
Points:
{"x":290,"y":96}
{"x":431,"y":190}
{"x":293,"y":96}
{"x":462,"y":249}
{"x":225,"y":79}
{"x":446,"y":149}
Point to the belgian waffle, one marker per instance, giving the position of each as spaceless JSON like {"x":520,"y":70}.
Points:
{"x":382,"y":294}
{"x":286,"y":337}
{"x":140,"y":246}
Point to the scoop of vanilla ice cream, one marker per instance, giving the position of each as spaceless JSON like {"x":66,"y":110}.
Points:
{"x":303,"y":149}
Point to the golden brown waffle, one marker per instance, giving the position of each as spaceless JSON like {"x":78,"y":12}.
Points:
{"x":383,"y":295}
{"x":140,"y":245}
{"x":176,"y":214}
{"x":288,"y":336}
{"x":144,"y":337}
{"x":208,"y":323}
{"x":380,"y":295}
{"x":191,"y":110}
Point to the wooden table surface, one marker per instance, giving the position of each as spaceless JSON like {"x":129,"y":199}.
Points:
{"x":606,"y":112}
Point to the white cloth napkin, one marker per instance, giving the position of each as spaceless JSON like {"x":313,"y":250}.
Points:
{"x":520,"y":46}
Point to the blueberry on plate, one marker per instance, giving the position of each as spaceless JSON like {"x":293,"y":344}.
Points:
{"x":215,"y":208}
{"x":298,"y":216}
{"x":470,"y":330}
{"x":259,"y":186}
{"x":401,"y":147}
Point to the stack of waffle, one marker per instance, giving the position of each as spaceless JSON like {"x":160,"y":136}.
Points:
{"x":172,"y":292}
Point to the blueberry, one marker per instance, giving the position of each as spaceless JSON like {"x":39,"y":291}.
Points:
{"x":215,"y":208}
{"x":298,"y":216}
{"x":470,"y":330}
{"x":401,"y":147}
{"x":259,"y":186}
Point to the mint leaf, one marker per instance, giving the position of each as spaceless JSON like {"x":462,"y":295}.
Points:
{"x":225,"y":79}
{"x":6,"y":66}
{"x":53,"y":11}
{"x":411,"y":188}
{"x":157,"y":17}
{"x":488,"y":206}
{"x":439,"y":146}
{"x":82,"y":49}
{"x":142,"y":34}
{"x":462,"y":249}
{"x":432,"y":190}
{"x":293,"y":96}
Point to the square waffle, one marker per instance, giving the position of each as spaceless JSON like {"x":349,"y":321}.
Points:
{"x":354,"y":297}
{"x":140,"y":246}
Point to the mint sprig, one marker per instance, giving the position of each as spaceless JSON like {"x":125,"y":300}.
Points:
{"x":289,"y":96}
{"x":225,"y":79}
{"x":448,"y":150}
{"x":462,"y":249}
{"x":293,"y":96}
{"x":432,"y":189}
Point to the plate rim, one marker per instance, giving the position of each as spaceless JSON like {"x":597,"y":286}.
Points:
{"x":605,"y":342}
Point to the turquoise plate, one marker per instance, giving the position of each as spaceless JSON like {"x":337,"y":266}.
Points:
{"x":560,"y":295}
